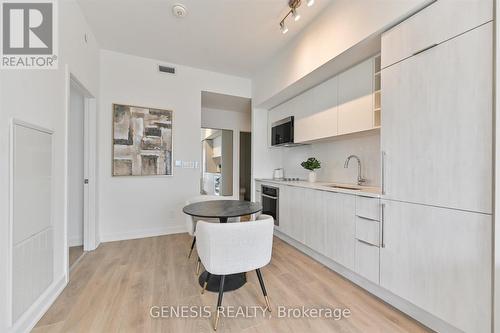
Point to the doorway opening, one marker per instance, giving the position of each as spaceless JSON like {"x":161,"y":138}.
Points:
{"x":80,"y":216}
{"x":217,"y":162}
{"x":245,"y":165}
{"x":76,"y":172}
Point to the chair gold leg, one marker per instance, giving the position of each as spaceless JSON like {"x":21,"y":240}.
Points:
{"x":190,"y":252}
{"x":268,"y":304}
{"x":198,"y":266}
{"x":204,"y":287}
{"x":216,"y":319}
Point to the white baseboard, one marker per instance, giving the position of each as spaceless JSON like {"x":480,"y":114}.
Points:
{"x":75,"y":241}
{"x":28,"y":320}
{"x":142,"y":233}
{"x":399,"y":303}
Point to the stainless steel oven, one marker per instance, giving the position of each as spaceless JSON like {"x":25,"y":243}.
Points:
{"x":270,"y":202}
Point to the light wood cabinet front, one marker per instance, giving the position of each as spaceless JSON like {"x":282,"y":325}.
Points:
{"x":440,"y":260}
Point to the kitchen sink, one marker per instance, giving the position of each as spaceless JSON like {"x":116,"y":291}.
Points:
{"x":345,"y":187}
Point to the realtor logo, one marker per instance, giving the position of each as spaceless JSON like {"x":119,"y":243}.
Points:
{"x":29,"y":38}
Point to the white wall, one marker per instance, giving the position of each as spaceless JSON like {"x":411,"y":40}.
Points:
{"x":39,"y":97}
{"x":75,"y":167}
{"x":342,"y":25}
{"x":231,"y":120}
{"x":332,"y":156}
{"x":144,"y":206}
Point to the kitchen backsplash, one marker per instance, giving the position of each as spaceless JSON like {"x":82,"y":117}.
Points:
{"x":333,"y":154}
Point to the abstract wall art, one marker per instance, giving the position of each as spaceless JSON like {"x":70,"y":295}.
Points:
{"x":142,"y":141}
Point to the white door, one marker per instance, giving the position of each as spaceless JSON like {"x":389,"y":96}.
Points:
{"x":437,"y":124}
{"x":440,"y":260}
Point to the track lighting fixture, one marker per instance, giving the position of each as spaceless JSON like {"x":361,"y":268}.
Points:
{"x":283,"y":27}
{"x":293,"y":4}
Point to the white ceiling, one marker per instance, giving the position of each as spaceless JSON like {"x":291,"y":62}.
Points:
{"x":228,"y":36}
{"x":217,"y":101}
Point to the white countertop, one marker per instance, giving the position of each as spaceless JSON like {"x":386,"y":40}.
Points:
{"x":368,"y":191}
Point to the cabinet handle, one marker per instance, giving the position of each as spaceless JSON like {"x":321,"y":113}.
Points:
{"x":425,"y":49}
{"x":365,"y":242}
{"x":382,"y":220}
{"x":383,"y":172}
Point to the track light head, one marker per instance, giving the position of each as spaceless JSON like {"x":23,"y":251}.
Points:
{"x":310,"y":3}
{"x":283,"y":27}
{"x":295,"y":14}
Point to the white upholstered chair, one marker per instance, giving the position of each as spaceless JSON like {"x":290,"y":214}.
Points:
{"x":234,"y":248}
{"x":191,"y":220}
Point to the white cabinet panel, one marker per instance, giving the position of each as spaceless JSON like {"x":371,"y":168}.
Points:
{"x":433,"y":25}
{"x":355,"y":111}
{"x":368,"y":207}
{"x":368,"y":230}
{"x":317,"y":126}
{"x":436,"y":124}
{"x":314,"y":220}
{"x":367,"y":261}
{"x":291,"y":212}
{"x":440,"y":260}
{"x":340,"y":228}
{"x":316,"y":117}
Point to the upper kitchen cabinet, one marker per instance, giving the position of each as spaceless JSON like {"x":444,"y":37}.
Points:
{"x":316,"y":115}
{"x":435,"y":24}
{"x":437,"y":124}
{"x":355,"y":95}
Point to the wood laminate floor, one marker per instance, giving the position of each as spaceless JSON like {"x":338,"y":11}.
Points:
{"x":74,"y":253}
{"x":113,"y":288}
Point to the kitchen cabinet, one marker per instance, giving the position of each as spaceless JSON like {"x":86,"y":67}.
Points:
{"x":217,"y":146}
{"x":435,"y":24}
{"x":340,"y":228}
{"x":355,"y":98}
{"x":314,"y":219}
{"x":436,"y":124}
{"x":440,"y":260}
{"x":367,"y":260}
{"x":317,"y":117}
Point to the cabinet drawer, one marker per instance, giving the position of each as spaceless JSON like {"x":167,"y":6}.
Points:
{"x":368,"y":208}
{"x":434,"y":24}
{"x":367,"y":261}
{"x":368,"y":230}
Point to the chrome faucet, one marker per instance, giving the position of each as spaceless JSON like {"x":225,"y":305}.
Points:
{"x":361,"y":180}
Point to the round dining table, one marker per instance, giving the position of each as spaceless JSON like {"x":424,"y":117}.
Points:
{"x":222,"y":210}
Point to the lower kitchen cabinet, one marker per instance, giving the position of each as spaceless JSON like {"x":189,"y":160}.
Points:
{"x":440,"y":260}
{"x":340,"y":228}
{"x":367,"y":260}
{"x":313,"y":204}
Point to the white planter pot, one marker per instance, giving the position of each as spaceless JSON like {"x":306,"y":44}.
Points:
{"x":312,"y":177}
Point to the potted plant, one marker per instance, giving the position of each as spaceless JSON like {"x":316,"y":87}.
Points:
{"x":311,"y":164}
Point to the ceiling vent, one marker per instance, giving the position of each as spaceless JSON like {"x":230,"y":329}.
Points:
{"x":166,"y":69}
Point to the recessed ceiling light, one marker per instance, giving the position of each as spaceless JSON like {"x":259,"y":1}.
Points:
{"x":179,"y":10}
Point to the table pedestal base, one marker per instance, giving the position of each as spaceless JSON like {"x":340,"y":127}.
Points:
{"x":231,"y":282}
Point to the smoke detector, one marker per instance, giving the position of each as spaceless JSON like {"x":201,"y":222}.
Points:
{"x":179,"y":10}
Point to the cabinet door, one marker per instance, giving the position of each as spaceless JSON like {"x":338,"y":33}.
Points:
{"x":440,"y":260}
{"x":355,"y":111}
{"x":297,"y":204}
{"x":340,"y":228}
{"x":440,"y":21}
{"x":314,"y":219}
{"x":437,"y":124}
{"x":317,"y":116}
{"x":284,"y":210}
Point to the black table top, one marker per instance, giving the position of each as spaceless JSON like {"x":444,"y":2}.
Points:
{"x":222,"y":208}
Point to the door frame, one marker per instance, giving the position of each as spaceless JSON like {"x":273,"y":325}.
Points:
{"x":90,"y":239}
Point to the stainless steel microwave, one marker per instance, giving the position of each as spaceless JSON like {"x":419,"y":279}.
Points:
{"x":282,"y":132}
